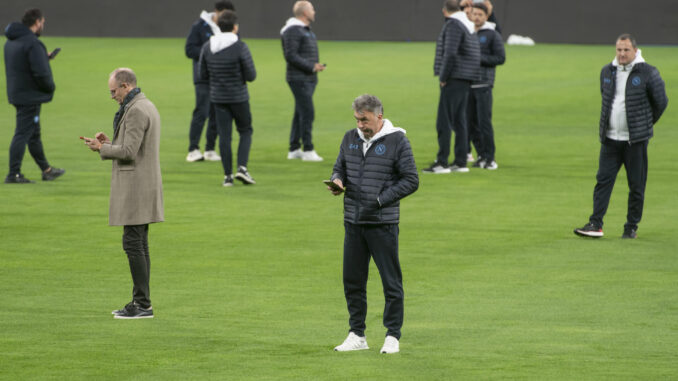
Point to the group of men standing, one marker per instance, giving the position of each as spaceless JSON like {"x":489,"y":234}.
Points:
{"x":222,"y":66}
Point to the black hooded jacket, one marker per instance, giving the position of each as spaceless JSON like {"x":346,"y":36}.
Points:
{"x":29,"y":77}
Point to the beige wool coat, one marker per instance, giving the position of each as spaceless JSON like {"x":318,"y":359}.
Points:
{"x":136,"y":183}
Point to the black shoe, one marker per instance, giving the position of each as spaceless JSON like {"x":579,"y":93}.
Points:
{"x":244,"y":176}
{"x":228,"y":181}
{"x":629,"y":234}
{"x":52,"y":174}
{"x":122,"y":310}
{"x":135,"y":311}
{"x":589,"y":230}
{"x":17,"y":179}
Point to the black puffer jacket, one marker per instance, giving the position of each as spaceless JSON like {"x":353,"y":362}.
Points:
{"x":199,"y":34}
{"x":491,"y":54}
{"x":227,"y":72}
{"x":300,"y":48}
{"x":645,"y":99}
{"x":29,"y":76}
{"x":375,"y":182}
{"x":457,"y":53}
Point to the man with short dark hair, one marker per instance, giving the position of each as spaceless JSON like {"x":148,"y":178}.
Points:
{"x":376,"y":169}
{"x":479,"y":112}
{"x":136,"y":182}
{"x":201,"y":31}
{"x":457,"y":63}
{"x":634,"y":98}
{"x":29,"y":85}
{"x":226,"y":64}
{"x":300,"y":48}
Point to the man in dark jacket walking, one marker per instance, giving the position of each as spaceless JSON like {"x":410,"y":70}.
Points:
{"x":457,"y":63}
{"x":376,"y":169}
{"x":479,"y":110}
{"x":226,"y":63}
{"x":201,"y":31}
{"x":301,"y":53}
{"x":634,"y":99}
{"x":29,"y":85}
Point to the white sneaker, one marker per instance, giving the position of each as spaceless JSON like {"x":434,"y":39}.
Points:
{"x":194,"y":155}
{"x":296,"y":154}
{"x":353,"y":343}
{"x":310,"y":156}
{"x":456,"y":168}
{"x":469,"y":157}
{"x":212,"y":156}
{"x":391,"y":345}
{"x":491,"y":166}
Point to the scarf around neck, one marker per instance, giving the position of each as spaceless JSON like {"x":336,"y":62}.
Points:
{"x":121,"y":110}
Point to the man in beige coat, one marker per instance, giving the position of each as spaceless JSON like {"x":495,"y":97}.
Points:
{"x":136,"y":184}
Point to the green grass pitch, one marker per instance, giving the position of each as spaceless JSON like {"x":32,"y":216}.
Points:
{"x":246,"y":282}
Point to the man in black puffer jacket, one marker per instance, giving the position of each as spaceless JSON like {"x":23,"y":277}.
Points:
{"x":301,"y":53}
{"x":226,"y":62}
{"x":29,"y":85}
{"x":376,"y":168}
{"x":457,"y":63}
{"x":634,"y":98}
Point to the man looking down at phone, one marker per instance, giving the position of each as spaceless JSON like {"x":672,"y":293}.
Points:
{"x":29,"y":85}
{"x":136,"y":183}
{"x":376,"y":168}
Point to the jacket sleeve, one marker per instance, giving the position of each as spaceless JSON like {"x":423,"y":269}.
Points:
{"x":339,"y":170}
{"x":203,"y":73}
{"x":498,"y":56}
{"x":40,"y":70}
{"x":453,"y":40}
{"x":194,"y":42}
{"x":408,"y":178}
{"x":136,"y":123}
{"x":249,"y":72}
{"x":657,"y":95}
{"x":291,"y":42}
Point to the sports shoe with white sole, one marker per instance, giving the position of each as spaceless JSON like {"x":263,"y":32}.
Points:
{"x":228,"y":181}
{"x":456,"y":168}
{"x":244,"y":176}
{"x":589,"y":230}
{"x":194,"y":155}
{"x":491,"y":165}
{"x":352,"y":343}
{"x":135,"y":311}
{"x":296,"y":154}
{"x":437,"y":169}
{"x":469,"y":157}
{"x":310,"y":156}
{"x":211,"y":156}
{"x":391,"y":345}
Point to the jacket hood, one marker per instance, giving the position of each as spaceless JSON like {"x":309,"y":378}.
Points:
{"x":207,"y":17}
{"x":639,"y":58}
{"x":292,"y":21}
{"x":488,"y":25}
{"x":221,"y":41}
{"x":386,"y":129}
{"x":16,"y":30}
{"x":461,"y":16}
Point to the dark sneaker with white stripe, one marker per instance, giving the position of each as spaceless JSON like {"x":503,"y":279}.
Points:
{"x":244,"y":176}
{"x":228,"y":180}
{"x":629,"y":234}
{"x":589,"y":230}
{"x":122,"y":310}
{"x":437,"y":168}
{"x":52,"y":174}
{"x":17,"y":179}
{"x":135,"y":311}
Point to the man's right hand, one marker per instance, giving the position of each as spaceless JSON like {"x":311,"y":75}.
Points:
{"x":318,"y":67}
{"x":101,"y":137}
{"x":336,"y":192}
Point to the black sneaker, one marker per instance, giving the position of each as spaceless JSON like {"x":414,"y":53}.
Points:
{"x":122,"y":310}
{"x":437,"y":168}
{"x":629,"y":234}
{"x":17,"y":179}
{"x":244,"y":176}
{"x":589,"y":230}
{"x":479,"y":163}
{"x":52,"y":174}
{"x":135,"y":311}
{"x":228,"y":181}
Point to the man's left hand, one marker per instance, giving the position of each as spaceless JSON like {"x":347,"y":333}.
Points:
{"x":93,"y":144}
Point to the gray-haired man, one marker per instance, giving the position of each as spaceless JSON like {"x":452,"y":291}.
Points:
{"x":376,"y":169}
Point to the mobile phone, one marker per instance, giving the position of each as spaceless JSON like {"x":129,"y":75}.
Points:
{"x":333,"y":185}
{"x":54,"y":53}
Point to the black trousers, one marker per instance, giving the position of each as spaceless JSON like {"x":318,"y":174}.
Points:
{"x":381,"y":243}
{"x":452,"y":117}
{"x":304,"y":114}
{"x":203,"y":109}
{"x":135,"y":244}
{"x":634,"y":158}
{"x":226,"y":113}
{"x":480,"y":129}
{"x":27,"y":132}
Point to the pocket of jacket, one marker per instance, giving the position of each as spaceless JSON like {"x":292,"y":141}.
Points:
{"x":125,"y":165}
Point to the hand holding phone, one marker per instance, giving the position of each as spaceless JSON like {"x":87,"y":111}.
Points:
{"x":54,"y":53}
{"x":334,"y":187}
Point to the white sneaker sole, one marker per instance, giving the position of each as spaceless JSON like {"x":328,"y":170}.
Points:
{"x":244,"y":179}
{"x":132,"y":317}
{"x":337,"y":349}
{"x":439,"y":172}
{"x":460,"y":170}
{"x":588,"y":234}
